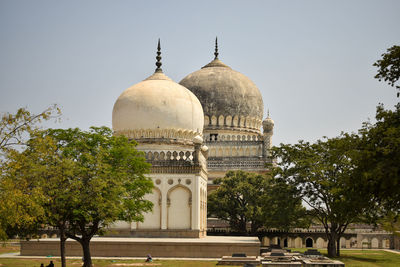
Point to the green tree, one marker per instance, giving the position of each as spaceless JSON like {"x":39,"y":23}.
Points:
{"x":244,"y":198}
{"x":389,"y":67}
{"x":323,"y":173}
{"x":379,"y":158}
{"x":21,"y":211}
{"x":282,"y":207}
{"x":391,"y":223}
{"x":18,"y":214}
{"x":87,"y":181}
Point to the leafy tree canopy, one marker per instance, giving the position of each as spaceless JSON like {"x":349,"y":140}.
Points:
{"x":82,"y":181}
{"x":389,"y":67}
{"x":16,"y":211}
{"x":379,"y":158}
{"x":244,"y":198}
{"x":323,"y":173}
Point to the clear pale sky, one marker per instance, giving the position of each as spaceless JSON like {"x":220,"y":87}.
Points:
{"x":311,"y":60}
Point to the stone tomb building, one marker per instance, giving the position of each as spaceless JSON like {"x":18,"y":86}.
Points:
{"x":233,"y":115}
{"x":191,"y":133}
{"x":166,"y":120}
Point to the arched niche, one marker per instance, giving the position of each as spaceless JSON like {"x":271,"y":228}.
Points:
{"x":234,"y":152}
{"x":227,"y":152}
{"x":298,"y":242}
{"x":247,"y":152}
{"x":374,"y":243}
{"x":152,"y":219}
{"x":212,"y":152}
{"x":247,"y":122}
{"x":242,"y":121}
{"x":235,"y":121}
{"x":385,"y":243}
{"x":221,"y":120}
{"x":228,"y":121}
{"x":320,"y":243}
{"x":206,"y":120}
{"x":252,"y":123}
{"x":265,"y":241}
{"x":213,"y":120}
{"x":220,"y":152}
{"x":179,"y":203}
{"x":241,"y":152}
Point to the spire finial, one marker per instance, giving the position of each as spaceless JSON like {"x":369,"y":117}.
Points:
{"x":158,"y":57}
{"x":268,"y":113}
{"x":216,"y":48}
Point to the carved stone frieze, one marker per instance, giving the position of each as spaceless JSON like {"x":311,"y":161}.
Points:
{"x":161,"y":134}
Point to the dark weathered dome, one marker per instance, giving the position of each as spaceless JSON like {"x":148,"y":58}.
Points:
{"x":227,"y":93}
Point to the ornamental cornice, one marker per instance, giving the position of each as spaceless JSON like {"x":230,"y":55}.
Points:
{"x":159,"y":134}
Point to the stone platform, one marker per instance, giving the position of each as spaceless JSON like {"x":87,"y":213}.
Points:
{"x":207,"y":247}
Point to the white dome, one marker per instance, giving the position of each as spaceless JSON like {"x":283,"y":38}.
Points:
{"x":158,"y":108}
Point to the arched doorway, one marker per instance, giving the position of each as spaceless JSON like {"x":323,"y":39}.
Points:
{"x":309,"y":243}
{"x":285,"y":243}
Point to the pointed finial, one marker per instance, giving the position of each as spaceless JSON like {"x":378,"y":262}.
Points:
{"x":158,"y":57}
{"x":268,"y":113}
{"x":216,"y":48}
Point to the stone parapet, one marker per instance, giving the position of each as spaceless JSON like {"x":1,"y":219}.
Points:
{"x":152,"y":233}
{"x":248,"y":164}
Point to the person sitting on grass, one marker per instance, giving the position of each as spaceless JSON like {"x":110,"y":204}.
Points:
{"x":149,"y":258}
{"x":51,"y":264}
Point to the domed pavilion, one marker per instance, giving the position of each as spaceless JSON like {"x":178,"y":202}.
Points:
{"x":166,"y":120}
{"x":233,"y":116}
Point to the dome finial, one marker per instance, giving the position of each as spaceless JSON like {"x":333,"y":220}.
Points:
{"x":158,"y":57}
{"x":268,"y":113}
{"x":216,"y":48}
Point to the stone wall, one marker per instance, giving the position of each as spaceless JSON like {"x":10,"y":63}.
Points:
{"x":140,"y":247}
{"x":317,"y":239}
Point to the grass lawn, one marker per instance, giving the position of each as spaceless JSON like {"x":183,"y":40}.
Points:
{"x":352,"y":258}
{"x":7,"y":248}
{"x":367,"y":258}
{"x":104,"y":263}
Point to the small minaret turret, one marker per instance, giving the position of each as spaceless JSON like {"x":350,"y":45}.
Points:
{"x":268,"y":131}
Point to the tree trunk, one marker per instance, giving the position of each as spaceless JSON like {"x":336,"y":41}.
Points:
{"x":242,"y":227}
{"x":331,"y":247}
{"x":254,"y":228}
{"x":338,"y":247}
{"x":87,"y":259}
{"x":332,"y":241}
{"x":62,"y":246}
